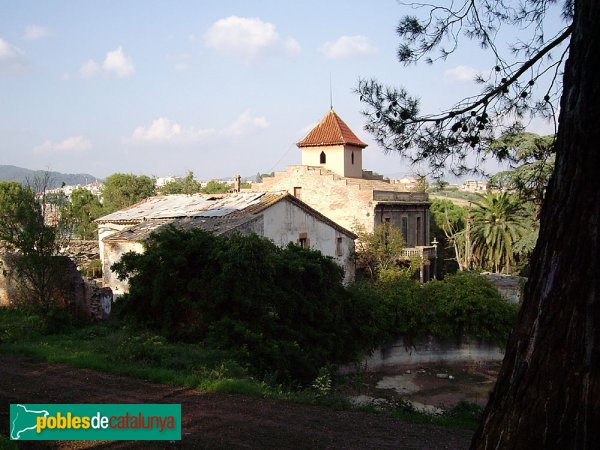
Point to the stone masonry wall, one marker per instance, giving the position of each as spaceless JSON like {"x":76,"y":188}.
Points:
{"x":81,"y":252}
{"x":346,"y":202}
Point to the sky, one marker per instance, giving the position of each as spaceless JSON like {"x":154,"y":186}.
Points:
{"x":219,"y":88}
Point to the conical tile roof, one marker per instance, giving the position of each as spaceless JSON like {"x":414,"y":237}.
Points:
{"x":331,"y":131}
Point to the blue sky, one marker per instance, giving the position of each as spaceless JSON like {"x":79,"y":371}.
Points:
{"x":220,"y":88}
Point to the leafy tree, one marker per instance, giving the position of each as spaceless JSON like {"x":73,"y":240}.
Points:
{"x":216,"y":187}
{"x":532,"y":158}
{"x":547,"y":390}
{"x":123,"y":190}
{"x":23,"y":230}
{"x":57,"y":198}
{"x":499,"y":221}
{"x":186,"y":185}
{"x":448,"y":227}
{"x":380,"y":250}
{"x":83,"y":209}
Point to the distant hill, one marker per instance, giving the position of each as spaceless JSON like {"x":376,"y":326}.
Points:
{"x":21,"y":175}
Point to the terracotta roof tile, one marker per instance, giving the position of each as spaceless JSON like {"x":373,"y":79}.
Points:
{"x":331,"y":131}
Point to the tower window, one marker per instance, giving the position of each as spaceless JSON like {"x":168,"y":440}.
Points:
{"x":298,"y":192}
{"x":352,"y":157}
{"x":322,"y":158}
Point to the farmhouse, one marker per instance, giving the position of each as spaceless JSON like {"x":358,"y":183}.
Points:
{"x":332,"y":181}
{"x":278,"y":216}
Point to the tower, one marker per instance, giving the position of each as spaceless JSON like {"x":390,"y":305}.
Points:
{"x":332,"y":145}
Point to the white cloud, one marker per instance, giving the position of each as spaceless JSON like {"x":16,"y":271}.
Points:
{"x":166,"y":131}
{"x":348,"y":47}
{"x":89,"y":69}
{"x":33,"y":32}
{"x":12,"y":59}
{"x":115,"y":63}
{"x":73,"y":144}
{"x":248,"y":39}
{"x":245,"y":124}
{"x":461,"y":74}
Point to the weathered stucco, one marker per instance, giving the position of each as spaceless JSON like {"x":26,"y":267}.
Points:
{"x":285,"y":222}
{"x":338,"y":159}
{"x":113,"y":251}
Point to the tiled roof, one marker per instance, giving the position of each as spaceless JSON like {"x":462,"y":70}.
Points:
{"x":331,"y":131}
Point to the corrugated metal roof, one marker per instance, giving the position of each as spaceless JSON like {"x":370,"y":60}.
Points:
{"x":331,"y":131}
{"x":213,"y":213}
{"x":175,"y":206}
{"x":142,"y":231}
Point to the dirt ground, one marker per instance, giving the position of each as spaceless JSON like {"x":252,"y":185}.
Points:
{"x":212,"y":420}
{"x":431,"y":388}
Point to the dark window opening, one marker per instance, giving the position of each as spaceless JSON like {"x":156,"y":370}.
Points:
{"x":419,"y":232}
{"x":339,"y":250}
{"x":303,"y":240}
{"x":323,"y":158}
{"x":405,"y":229}
{"x":352,"y":157}
{"x":298,"y":193}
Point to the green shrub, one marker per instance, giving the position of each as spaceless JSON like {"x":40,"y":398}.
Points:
{"x":284,"y":310}
{"x":462,"y":305}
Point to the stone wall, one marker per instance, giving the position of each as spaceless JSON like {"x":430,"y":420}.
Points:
{"x":81,"y":252}
{"x":509,"y":286}
{"x":345,"y":202}
{"x":8,"y":283}
{"x":89,"y":300}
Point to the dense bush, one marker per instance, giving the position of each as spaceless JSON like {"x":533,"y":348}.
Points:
{"x":461,"y":305}
{"x":286,"y":310}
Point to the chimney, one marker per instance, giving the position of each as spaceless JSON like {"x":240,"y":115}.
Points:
{"x":237,"y":183}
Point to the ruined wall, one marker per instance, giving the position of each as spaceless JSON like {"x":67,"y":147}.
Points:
{"x":285,"y":222}
{"x":84,"y":297}
{"x":113,"y":251}
{"x":80,"y":251}
{"x":8,"y":282}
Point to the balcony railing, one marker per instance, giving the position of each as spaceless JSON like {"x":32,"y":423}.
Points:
{"x":424,"y":251}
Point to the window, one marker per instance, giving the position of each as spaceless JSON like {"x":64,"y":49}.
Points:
{"x":322,"y":158}
{"x":298,"y":192}
{"x":419,"y":232}
{"x":405,"y":229}
{"x":352,"y":157}
{"x":303,"y":240}
{"x":339,"y":250}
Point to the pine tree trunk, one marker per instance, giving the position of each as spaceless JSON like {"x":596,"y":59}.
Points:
{"x":548,"y":391}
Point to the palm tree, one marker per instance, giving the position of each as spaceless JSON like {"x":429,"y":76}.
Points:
{"x":498,"y":222}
